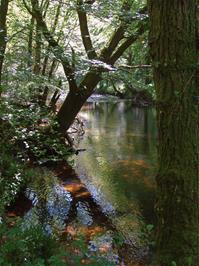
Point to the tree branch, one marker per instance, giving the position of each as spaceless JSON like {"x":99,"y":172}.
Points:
{"x":118,"y":35}
{"x":44,"y":7}
{"x":123,"y":67}
{"x":27,"y":7}
{"x":129,"y":41}
{"x":85,"y":34}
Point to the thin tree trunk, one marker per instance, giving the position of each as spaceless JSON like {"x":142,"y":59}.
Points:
{"x":174,"y":54}
{"x":37,"y":63}
{"x":45,"y":63}
{"x":44,"y":96}
{"x":54,"y":100}
{"x":30,"y":41}
{"x":3,"y":35}
{"x":52,"y":68}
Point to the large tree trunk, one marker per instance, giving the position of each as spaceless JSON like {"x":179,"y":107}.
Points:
{"x":75,"y":100}
{"x":173,"y":45}
{"x":3,"y":34}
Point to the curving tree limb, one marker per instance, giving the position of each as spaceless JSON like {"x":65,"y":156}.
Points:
{"x":128,"y":42}
{"x":85,"y":34}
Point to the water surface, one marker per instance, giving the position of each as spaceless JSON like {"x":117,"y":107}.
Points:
{"x":119,"y":164}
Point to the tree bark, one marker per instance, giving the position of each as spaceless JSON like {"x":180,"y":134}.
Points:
{"x":173,"y":47}
{"x":76,"y":99}
{"x":3,"y":35}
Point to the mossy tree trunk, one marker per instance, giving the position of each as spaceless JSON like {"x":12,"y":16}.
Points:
{"x":173,"y":47}
{"x":30,"y":42}
{"x":3,"y":35}
{"x":37,"y":56}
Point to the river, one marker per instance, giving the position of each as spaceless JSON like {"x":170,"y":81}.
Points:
{"x":118,"y":166}
{"x":110,"y":190}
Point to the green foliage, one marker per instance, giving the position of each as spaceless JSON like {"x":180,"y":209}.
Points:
{"x":118,"y":239}
{"x":28,"y":247}
{"x":21,"y":140}
{"x":129,"y":80}
{"x":108,"y":15}
{"x":11,"y":179}
{"x":79,"y":252}
{"x":34,"y":131}
{"x":31,"y":247}
{"x":147,"y":234}
{"x":12,"y":171}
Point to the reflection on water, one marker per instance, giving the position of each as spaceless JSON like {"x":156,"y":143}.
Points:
{"x":50,"y":210}
{"x":118,"y":166}
{"x":59,"y":200}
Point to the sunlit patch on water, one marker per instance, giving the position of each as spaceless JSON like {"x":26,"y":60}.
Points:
{"x":97,"y":195}
{"x":59,"y":202}
{"x":77,"y":190}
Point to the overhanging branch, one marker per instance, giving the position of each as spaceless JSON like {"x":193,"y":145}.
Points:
{"x":117,"y":36}
{"x":123,"y":67}
{"x":128,"y":42}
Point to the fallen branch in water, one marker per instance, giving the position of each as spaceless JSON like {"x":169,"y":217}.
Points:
{"x":121,"y":67}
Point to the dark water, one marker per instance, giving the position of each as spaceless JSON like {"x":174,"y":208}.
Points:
{"x":119,"y":164}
